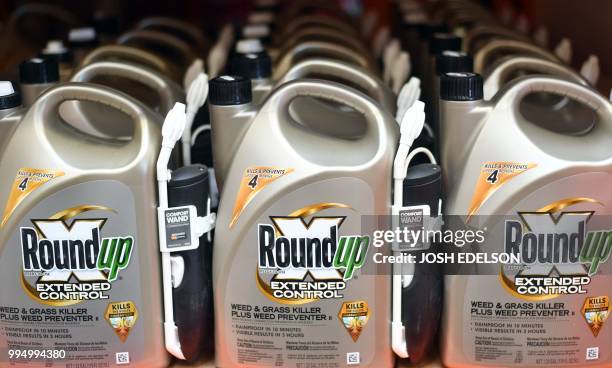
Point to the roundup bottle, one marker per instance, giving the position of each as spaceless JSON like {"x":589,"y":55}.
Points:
{"x":541,"y":194}
{"x":294,"y":281}
{"x":78,"y":256}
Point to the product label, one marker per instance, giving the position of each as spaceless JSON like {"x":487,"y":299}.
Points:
{"x":492,"y":176}
{"x":122,"y":317}
{"x":70,"y":280}
{"x":310,"y":298}
{"x":26,"y":181}
{"x":596,"y":311}
{"x":254,"y":180}
{"x":177,"y":222}
{"x":354,"y":317}
{"x":413,"y":220}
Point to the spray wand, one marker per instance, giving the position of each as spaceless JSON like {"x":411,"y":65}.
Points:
{"x":410,"y":128}
{"x":173,"y":267}
{"x":408,"y":95}
{"x":196,"y":97}
{"x":171,"y":132}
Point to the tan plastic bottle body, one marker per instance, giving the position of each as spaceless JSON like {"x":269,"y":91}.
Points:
{"x":564,"y":166}
{"x":30,"y":92}
{"x":227,"y":125}
{"x":9,"y":118}
{"x":86,"y":162}
{"x":263,"y":146}
{"x":460,"y":123}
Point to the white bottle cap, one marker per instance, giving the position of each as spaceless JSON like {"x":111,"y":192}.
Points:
{"x":255,"y":31}
{"x":82,"y":34}
{"x":249,"y":46}
{"x":55,"y":47}
{"x":6,"y":88}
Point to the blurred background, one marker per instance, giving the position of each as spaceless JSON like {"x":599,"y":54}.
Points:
{"x":585,"y":23}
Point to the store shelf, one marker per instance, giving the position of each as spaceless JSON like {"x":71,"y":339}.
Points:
{"x":431,"y":363}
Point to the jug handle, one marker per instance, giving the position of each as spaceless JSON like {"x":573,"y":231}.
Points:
{"x":129,"y":71}
{"x":179,"y":25}
{"x":128,"y":52}
{"x":314,"y":31}
{"x":484,"y":30}
{"x":48,"y":104}
{"x":304,"y":21}
{"x":362,"y":77}
{"x":336,"y":92}
{"x":287,"y":56}
{"x":42,"y":9}
{"x":482,"y":56}
{"x":500,"y":73}
{"x":159,"y":37}
{"x":558,"y":86}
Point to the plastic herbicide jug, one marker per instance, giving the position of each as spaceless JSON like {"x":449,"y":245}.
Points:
{"x":290,"y":211}
{"x":540,"y":191}
{"x":78,"y":257}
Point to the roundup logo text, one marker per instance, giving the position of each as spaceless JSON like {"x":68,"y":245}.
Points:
{"x":559,"y":254}
{"x":309,"y":260}
{"x":73,"y":262}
